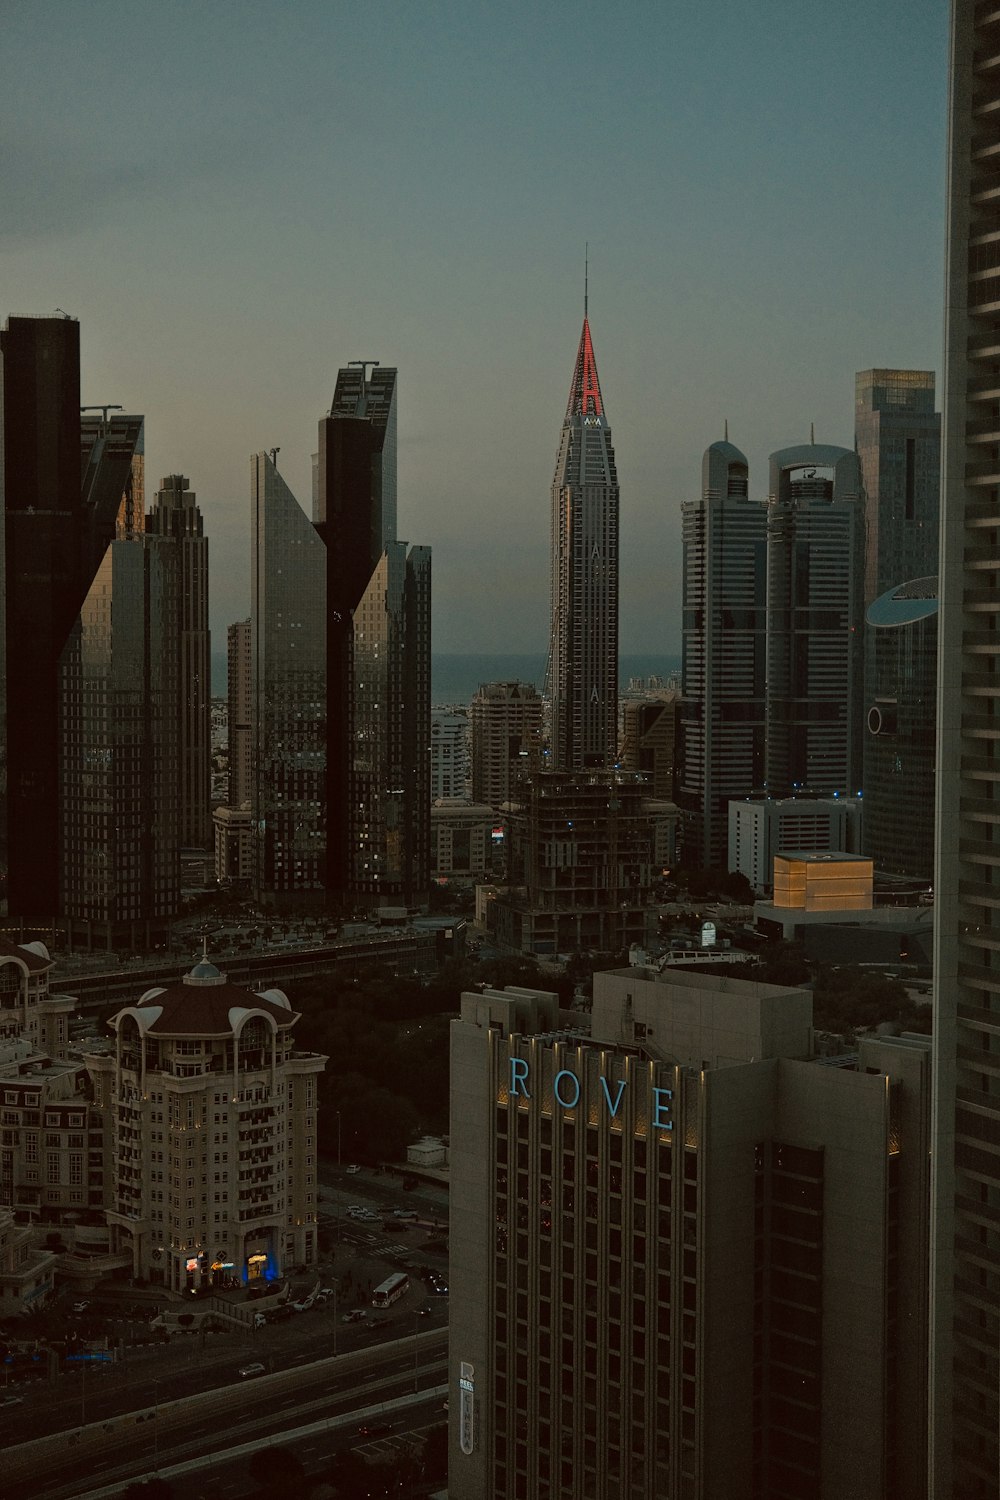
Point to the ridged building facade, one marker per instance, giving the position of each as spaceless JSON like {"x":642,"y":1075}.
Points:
{"x":965,"y":1267}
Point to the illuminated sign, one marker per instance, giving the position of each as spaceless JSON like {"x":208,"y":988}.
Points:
{"x":566,"y":1092}
{"x":466,"y":1407}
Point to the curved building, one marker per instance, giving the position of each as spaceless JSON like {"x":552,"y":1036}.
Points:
{"x":899,"y":739}
{"x":210,"y":1133}
{"x":815,"y":615}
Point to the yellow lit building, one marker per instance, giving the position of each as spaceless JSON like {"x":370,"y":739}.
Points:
{"x":823,"y":882}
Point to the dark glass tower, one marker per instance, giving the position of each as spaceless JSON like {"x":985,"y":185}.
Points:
{"x":815,"y":621}
{"x":377,"y":654}
{"x":54,"y":536}
{"x":722,"y":708}
{"x":176,"y":515}
{"x":583,"y":651}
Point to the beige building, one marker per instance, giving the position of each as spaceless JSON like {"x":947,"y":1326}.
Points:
{"x":461,"y":839}
{"x":25,"y":1272}
{"x":27,"y":1009}
{"x":687,"y":1257}
{"x":210,"y":1131}
{"x":234,"y":844}
{"x":505,"y":731}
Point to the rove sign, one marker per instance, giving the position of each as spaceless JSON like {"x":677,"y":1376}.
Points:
{"x":566,"y":1092}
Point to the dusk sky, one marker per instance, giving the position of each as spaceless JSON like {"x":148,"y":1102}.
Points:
{"x":236,"y":198}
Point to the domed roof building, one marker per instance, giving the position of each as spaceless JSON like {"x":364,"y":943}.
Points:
{"x":210,"y":1133}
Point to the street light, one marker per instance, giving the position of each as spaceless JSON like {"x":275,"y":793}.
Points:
{"x":337,"y":1113}
{"x":156,"y":1427}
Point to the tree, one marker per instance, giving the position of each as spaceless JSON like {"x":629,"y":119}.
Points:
{"x":275,"y":1470}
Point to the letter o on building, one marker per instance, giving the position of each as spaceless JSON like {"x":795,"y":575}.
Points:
{"x":557,"y":1089}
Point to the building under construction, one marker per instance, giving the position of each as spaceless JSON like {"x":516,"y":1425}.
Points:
{"x":584,"y":852}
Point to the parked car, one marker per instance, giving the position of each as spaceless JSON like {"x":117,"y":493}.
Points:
{"x":81,"y":1307}
{"x":404,"y":1213}
{"x":247,"y":1371}
{"x":353,"y":1168}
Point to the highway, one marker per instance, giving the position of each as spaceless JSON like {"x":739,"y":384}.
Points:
{"x":147,"y":1439}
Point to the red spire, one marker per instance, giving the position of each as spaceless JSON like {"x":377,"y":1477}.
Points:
{"x":585,"y":392}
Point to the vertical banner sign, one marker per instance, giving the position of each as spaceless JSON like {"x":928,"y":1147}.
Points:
{"x":466,"y":1396}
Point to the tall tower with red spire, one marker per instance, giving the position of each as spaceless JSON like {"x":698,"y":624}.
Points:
{"x":583,"y":651}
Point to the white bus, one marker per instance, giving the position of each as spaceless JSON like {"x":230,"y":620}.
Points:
{"x":390,"y":1291}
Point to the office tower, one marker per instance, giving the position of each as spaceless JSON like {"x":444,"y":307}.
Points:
{"x":463,"y":840}
{"x":815,"y":621}
{"x":649,"y":739}
{"x":240,"y":681}
{"x":389,"y":781}
{"x":289,"y":693}
{"x":377,"y":635}
{"x":218,"y":1064}
{"x":687,"y":1257}
{"x":505,"y":731}
{"x":583,"y":647}
{"x":901,"y":639}
{"x":119,"y":738}
{"x":965,"y":1347}
{"x":721,"y":712}
{"x":897,"y":434}
{"x":175,"y":514}
{"x":45,"y":571}
{"x":449,"y":754}
{"x":761,"y":827}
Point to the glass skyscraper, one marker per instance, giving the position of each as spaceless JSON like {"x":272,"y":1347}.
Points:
{"x":289,"y":693}
{"x":583,"y":651}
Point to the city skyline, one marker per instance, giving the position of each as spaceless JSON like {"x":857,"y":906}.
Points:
{"x":263,"y":248}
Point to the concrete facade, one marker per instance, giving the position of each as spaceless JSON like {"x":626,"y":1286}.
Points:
{"x":761,"y":827}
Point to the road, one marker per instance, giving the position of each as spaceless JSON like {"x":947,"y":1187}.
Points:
{"x":146,"y":1441}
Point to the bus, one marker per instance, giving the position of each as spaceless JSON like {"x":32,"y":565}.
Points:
{"x":390,"y":1291}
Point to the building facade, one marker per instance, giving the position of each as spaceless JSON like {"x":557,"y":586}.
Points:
{"x":119,"y":722}
{"x":584,"y":853}
{"x":649,"y":739}
{"x":289,"y":704}
{"x":449,"y":754}
{"x":240,"y":691}
{"x":901,"y":635}
{"x":721,"y":712}
{"x":897,"y":435}
{"x":505,"y":731}
{"x":679,"y":1249}
{"x":965,"y":1347}
{"x":583,"y":648}
{"x":175,"y":514}
{"x":761,"y":827}
{"x":815,"y":621}
{"x":377,"y":637}
{"x":463,"y":840}
{"x":209,"y":1118}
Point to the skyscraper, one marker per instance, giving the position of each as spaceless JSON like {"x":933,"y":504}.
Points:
{"x":46,"y":572}
{"x":505,"y":727}
{"x":289,"y":693}
{"x":175,"y":514}
{"x":240,"y":679}
{"x":815,"y":621}
{"x":377,"y":637}
{"x":897,"y":434}
{"x":721,"y":711}
{"x":965,"y":1328}
{"x":583,"y":651}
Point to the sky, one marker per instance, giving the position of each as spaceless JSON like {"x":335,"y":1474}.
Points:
{"x":237,"y":198}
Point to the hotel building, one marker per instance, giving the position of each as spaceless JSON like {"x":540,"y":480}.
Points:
{"x":209,"y":1116}
{"x":687,"y":1257}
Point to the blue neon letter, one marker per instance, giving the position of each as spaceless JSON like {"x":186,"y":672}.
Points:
{"x":566,"y":1103}
{"x":663,"y":1108}
{"x":518,"y":1074}
{"x":616,"y":1104}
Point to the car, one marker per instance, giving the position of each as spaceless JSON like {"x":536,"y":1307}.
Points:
{"x":423,"y":1312}
{"x":304,"y":1305}
{"x":358,"y":1315}
{"x":440,"y":1289}
{"x":372,"y":1429}
{"x":248,"y":1371}
{"x":404,"y":1213}
{"x":81,"y":1307}
{"x":325,"y":1292}
{"x":353,"y":1168}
